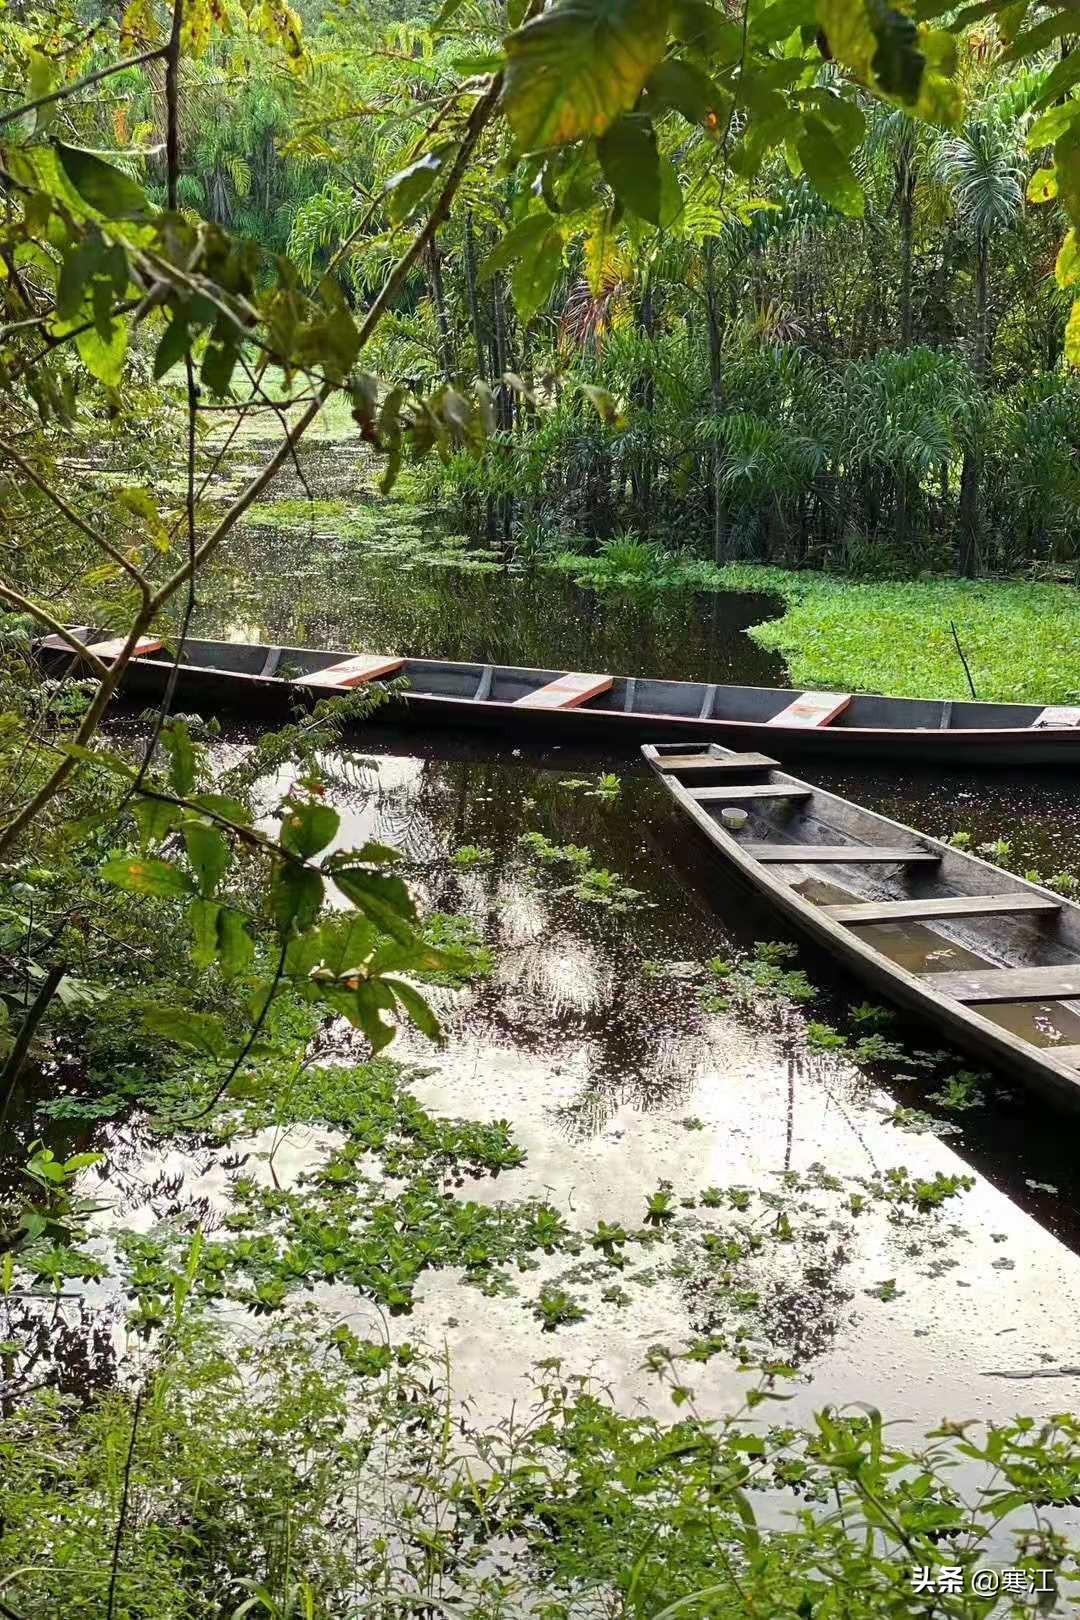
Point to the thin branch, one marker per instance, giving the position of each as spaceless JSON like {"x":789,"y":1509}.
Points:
{"x":73,"y":517}
{"x":81,"y":84}
{"x":121,"y":1521}
{"x":9,"y":1075}
{"x":24,"y":605}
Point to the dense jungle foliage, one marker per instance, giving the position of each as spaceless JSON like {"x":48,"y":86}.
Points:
{"x":783,"y":281}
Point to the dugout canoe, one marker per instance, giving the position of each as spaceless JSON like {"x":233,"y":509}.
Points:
{"x":991,"y":959}
{"x":522,"y":703}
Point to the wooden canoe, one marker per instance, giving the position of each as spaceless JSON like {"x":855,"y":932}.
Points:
{"x":524,"y":703}
{"x":991,"y":959}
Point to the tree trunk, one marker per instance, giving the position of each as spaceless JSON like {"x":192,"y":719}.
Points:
{"x":906,"y":186}
{"x":471,"y":294}
{"x":442,"y":318}
{"x":719,"y":514}
{"x":969,"y":525}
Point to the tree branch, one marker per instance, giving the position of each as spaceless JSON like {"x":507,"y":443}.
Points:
{"x":81,"y":84}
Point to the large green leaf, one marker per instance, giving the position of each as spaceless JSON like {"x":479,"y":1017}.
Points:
{"x":176,"y":741}
{"x":146,"y":874}
{"x":520,"y":240}
{"x":307,"y":826}
{"x":406,"y":190}
{"x":296,"y":893}
{"x":829,"y":171}
{"x":104,"y":358}
{"x":571,"y":71}
{"x":879,"y":43}
{"x":236,"y":949}
{"x":631,"y":165}
{"x":385,"y":900}
{"x":154,"y":819}
{"x":203,"y":1031}
{"x":203,"y":916}
{"x":535,"y":275}
{"x":108,"y":190}
{"x":208,"y":853}
{"x":417,"y":1008}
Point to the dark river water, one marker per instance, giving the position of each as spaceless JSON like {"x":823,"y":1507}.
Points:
{"x":593,"y":1037}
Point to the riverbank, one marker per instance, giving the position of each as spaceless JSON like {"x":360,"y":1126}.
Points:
{"x":1021,"y":638}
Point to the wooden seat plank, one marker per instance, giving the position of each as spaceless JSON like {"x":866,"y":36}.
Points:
{"x":836,"y":853}
{"x":712,"y":762}
{"x":112,"y":649}
{"x":1069,"y":1055}
{"x":812,"y":709}
{"x":764,"y":790}
{"x":1058,"y":715}
{"x":955,"y":905}
{"x":352,"y":672}
{"x":1009,"y":984}
{"x":566,"y":693}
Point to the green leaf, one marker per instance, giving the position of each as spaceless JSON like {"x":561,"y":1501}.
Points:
{"x":704,"y":28}
{"x":535,"y":275}
{"x":385,"y":900}
{"x":146,"y":875}
{"x":208,"y":853}
{"x":406,"y":190}
{"x":104,"y":359}
{"x":176,"y":741}
{"x":339,"y":946}
{"x":108,"y":190}
{"x":417,"y":1008}
{"x":296,"y":894}
{"x":174,"y":344}
{"x":686,"y":88}
{"x":365,"y":1006}
{"x":878,"y":43}
{"x":829,"y":170}
{"x":572,"y":70}
{"x":631,"y":165}
{"x":521,"y":240}
{"x":307,"y":826}
{"x":102,"y":757}
{"x":203,"y":1031}
{"x":1053,"y":123}
{"x":236,"y":949}
{"x":221,"y":355}
{"x":781,"y":18}
{"x":154,"y":819}
{"x":219,"y":805}
{"x":203,"y":916}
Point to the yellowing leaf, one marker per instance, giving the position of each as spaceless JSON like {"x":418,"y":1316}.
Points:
{"x":1072,"y":335}
{"x":1042,"y":187}
{"x":575,"y":68}
{"x":1067,"y":268}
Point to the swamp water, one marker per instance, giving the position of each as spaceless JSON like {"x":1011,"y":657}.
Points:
{"x":599,"y":1036}
{"x":602,"y":1035}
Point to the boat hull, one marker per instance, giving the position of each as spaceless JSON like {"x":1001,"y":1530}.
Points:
{"x":1052,"y":1078}
{"x":906,"y":731}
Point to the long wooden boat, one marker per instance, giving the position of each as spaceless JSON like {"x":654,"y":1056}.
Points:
{"x":252,"y":677}
{"x":990,"y":958}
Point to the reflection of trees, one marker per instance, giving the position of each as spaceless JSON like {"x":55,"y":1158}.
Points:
{"x":66,"y":1344}
{"x":569,"y":979}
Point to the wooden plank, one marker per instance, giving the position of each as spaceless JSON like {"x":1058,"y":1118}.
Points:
{"x":1009,"y":984}
{"x":567,"y":692}
{"x":1069,"y":1055}
{"x":713,"y":762}
{"x":812,"y":709}
{"x":112,"y":649}
{"x":949,"y":905}
{"x":1061,"y":715}
{"x":799,"y":853}
{"x":353,"y":671}
{"x":732,"y":795}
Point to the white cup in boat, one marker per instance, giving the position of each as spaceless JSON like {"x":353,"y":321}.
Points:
{"x":733,"y":819}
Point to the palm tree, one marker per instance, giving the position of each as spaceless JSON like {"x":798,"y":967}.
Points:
{"x":982,"y":167}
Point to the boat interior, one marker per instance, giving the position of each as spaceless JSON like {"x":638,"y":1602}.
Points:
{"x":696,"y":700}
{"x":985,"y":937}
